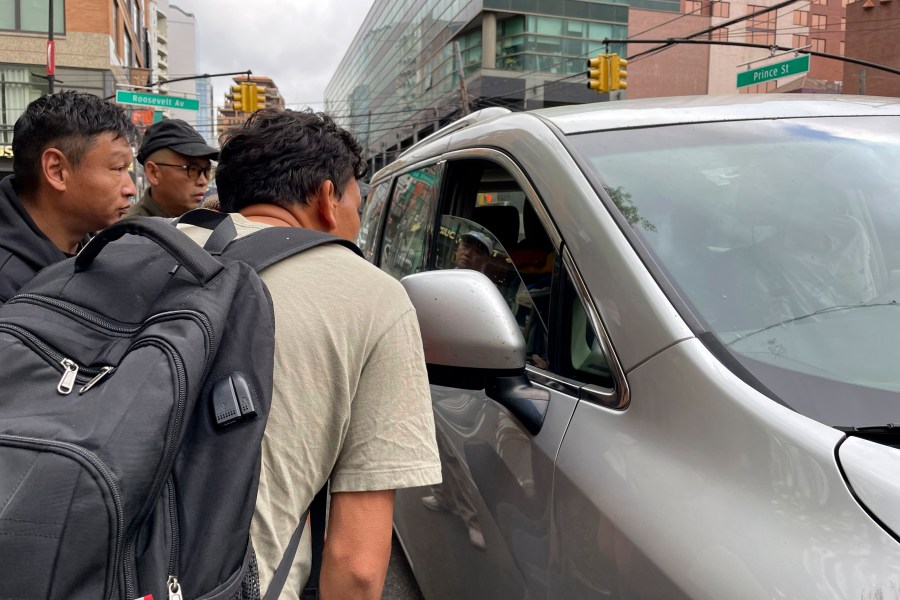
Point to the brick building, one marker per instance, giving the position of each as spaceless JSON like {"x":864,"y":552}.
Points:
{"x":99,"y":44}
{"x":872,"y":36}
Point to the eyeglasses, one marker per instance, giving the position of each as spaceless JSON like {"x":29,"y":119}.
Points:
{"x":193,"y":171}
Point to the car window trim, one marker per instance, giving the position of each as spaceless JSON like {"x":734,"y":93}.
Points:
{"x":619,"y":397}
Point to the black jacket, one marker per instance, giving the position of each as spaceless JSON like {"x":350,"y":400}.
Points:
{"x":24,"y":249}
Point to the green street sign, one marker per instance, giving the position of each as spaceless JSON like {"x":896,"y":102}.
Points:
{"x":156,"y":100}
{"x":775,"y":71}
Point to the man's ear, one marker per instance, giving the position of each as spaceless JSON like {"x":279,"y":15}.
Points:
{"x":326,"y":202}
{"x":55,"y":168}
{"x":151,"y":170}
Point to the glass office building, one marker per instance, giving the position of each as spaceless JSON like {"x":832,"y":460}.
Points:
{"x":399,"y":81}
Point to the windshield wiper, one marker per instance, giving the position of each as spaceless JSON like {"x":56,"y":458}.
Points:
{"x":806,"y":316}
{"x":889,"y":429}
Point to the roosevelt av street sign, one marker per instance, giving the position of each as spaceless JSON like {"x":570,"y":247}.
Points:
{"x":775,"y":71}
{"x":156,"y":100}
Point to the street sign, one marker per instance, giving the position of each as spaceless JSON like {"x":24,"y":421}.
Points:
{"x":775,"y":71}
{"x":156,"y":100}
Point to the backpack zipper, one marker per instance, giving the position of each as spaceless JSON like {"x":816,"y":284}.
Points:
{"x":173,"y":519}
{"x":105,"y":473}
{"x":115,"y":328}
{"x":71,"y":371}
{"x":164,"y":466}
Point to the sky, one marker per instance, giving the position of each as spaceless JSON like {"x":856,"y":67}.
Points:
{"x":298,"y":43}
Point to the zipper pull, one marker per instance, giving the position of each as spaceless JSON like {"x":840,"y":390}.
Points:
{"x":174,"y":588}
{"x":67,"y":383}
{"x":103,"y":373}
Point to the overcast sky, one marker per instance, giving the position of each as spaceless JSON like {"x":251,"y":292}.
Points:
{"x":298,"y":43}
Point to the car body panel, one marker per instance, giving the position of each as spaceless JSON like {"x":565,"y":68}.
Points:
{"x":704,"y":488}
{"x":487,"y":450}
{"x":658,"y":112}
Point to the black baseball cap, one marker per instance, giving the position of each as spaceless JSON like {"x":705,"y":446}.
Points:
{"x":176,"y":135}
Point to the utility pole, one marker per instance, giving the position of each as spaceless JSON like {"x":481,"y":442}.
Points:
{"x":463,"y":92}
{"x":862,"y":82}
{"x":51,"y":52}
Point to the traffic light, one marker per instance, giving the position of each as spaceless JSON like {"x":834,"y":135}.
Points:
{"x":235,"y":98}
{"x":261,"y":97}
{"x":598,"y":73}
{"x":251,"y":97}
{"x":245,"y":97}
{"x":617,"y":74}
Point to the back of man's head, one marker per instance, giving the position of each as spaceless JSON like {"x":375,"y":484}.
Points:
{"x":282,"y":157}
{"x":69,"y":121}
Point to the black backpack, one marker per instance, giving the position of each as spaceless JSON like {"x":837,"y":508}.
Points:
{"x":135,"y":383}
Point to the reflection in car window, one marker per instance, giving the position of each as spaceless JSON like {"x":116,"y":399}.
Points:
{"x":784,"y":237}
{"x":370,"y":223}
{"x":492,"y":227}
{"x":409,"y":220}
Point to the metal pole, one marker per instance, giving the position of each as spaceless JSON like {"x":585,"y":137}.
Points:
{"x":50,"y":43}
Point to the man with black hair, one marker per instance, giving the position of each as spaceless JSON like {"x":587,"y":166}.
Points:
{"x":71,"y":154}
{"x":351,"y":404}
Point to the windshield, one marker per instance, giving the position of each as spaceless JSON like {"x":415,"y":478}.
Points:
{"x":783,"y":237}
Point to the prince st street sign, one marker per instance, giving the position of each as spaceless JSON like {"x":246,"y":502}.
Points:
{"x":774,"y":71}
{"x":156,"y":100}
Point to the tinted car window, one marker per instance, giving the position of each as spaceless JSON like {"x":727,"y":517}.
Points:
{"x":408,"y":226}
{"x":372,"y":220}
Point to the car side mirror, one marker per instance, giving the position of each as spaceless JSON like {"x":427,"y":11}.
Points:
{"x":472,"y":341}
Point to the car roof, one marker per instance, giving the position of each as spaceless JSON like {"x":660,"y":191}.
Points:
{"x":655,"y":112}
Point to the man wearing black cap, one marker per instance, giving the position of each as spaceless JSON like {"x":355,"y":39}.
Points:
{"x":177,"y":164}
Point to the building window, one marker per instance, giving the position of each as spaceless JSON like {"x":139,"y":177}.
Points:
{"x":819,"y":22}
{"x":818,"y":44}
{"x":761,"y":27}
{"x":720,"y":34}
{"x":32,"y":15}
{"x":800,"y":41}
{"x":801,"y":17}
{"x":18,"y":87}
{"x":721,"y":9}
{"x":842,"y":47}
{"x":552,"y":45}
{"x":693,"y":7}
{"x":825,"y":2}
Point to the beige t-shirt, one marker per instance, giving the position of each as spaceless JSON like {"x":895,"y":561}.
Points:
{"x":350,"y":399}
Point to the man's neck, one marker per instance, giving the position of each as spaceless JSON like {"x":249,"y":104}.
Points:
{"x":270,"y":214}
{"x":50,"y":224}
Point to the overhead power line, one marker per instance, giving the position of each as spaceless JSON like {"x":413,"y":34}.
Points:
{"x":674,"y":41}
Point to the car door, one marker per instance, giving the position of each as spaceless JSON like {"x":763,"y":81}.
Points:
{"x":485,"y":531}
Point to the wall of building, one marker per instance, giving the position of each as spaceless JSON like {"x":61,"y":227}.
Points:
{"x":872,"y":36}
{"x":677,"y":71}
{"x":182,"y":47}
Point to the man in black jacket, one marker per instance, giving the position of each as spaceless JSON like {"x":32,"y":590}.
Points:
{"x":71,"y":156}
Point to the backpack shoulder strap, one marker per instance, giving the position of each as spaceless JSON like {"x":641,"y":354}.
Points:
{"x":273,"y":244}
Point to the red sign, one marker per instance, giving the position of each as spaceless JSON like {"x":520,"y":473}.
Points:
{"x":51,"y":57}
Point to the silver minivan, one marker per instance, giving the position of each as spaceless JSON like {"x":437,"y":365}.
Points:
{"x":663,"y":338}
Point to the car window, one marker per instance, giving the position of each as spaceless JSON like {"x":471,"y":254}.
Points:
{"x":408,"y":226}
{"x":372,"y":219}
{"x":489,"y":225}
{"x":581,"y":354}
